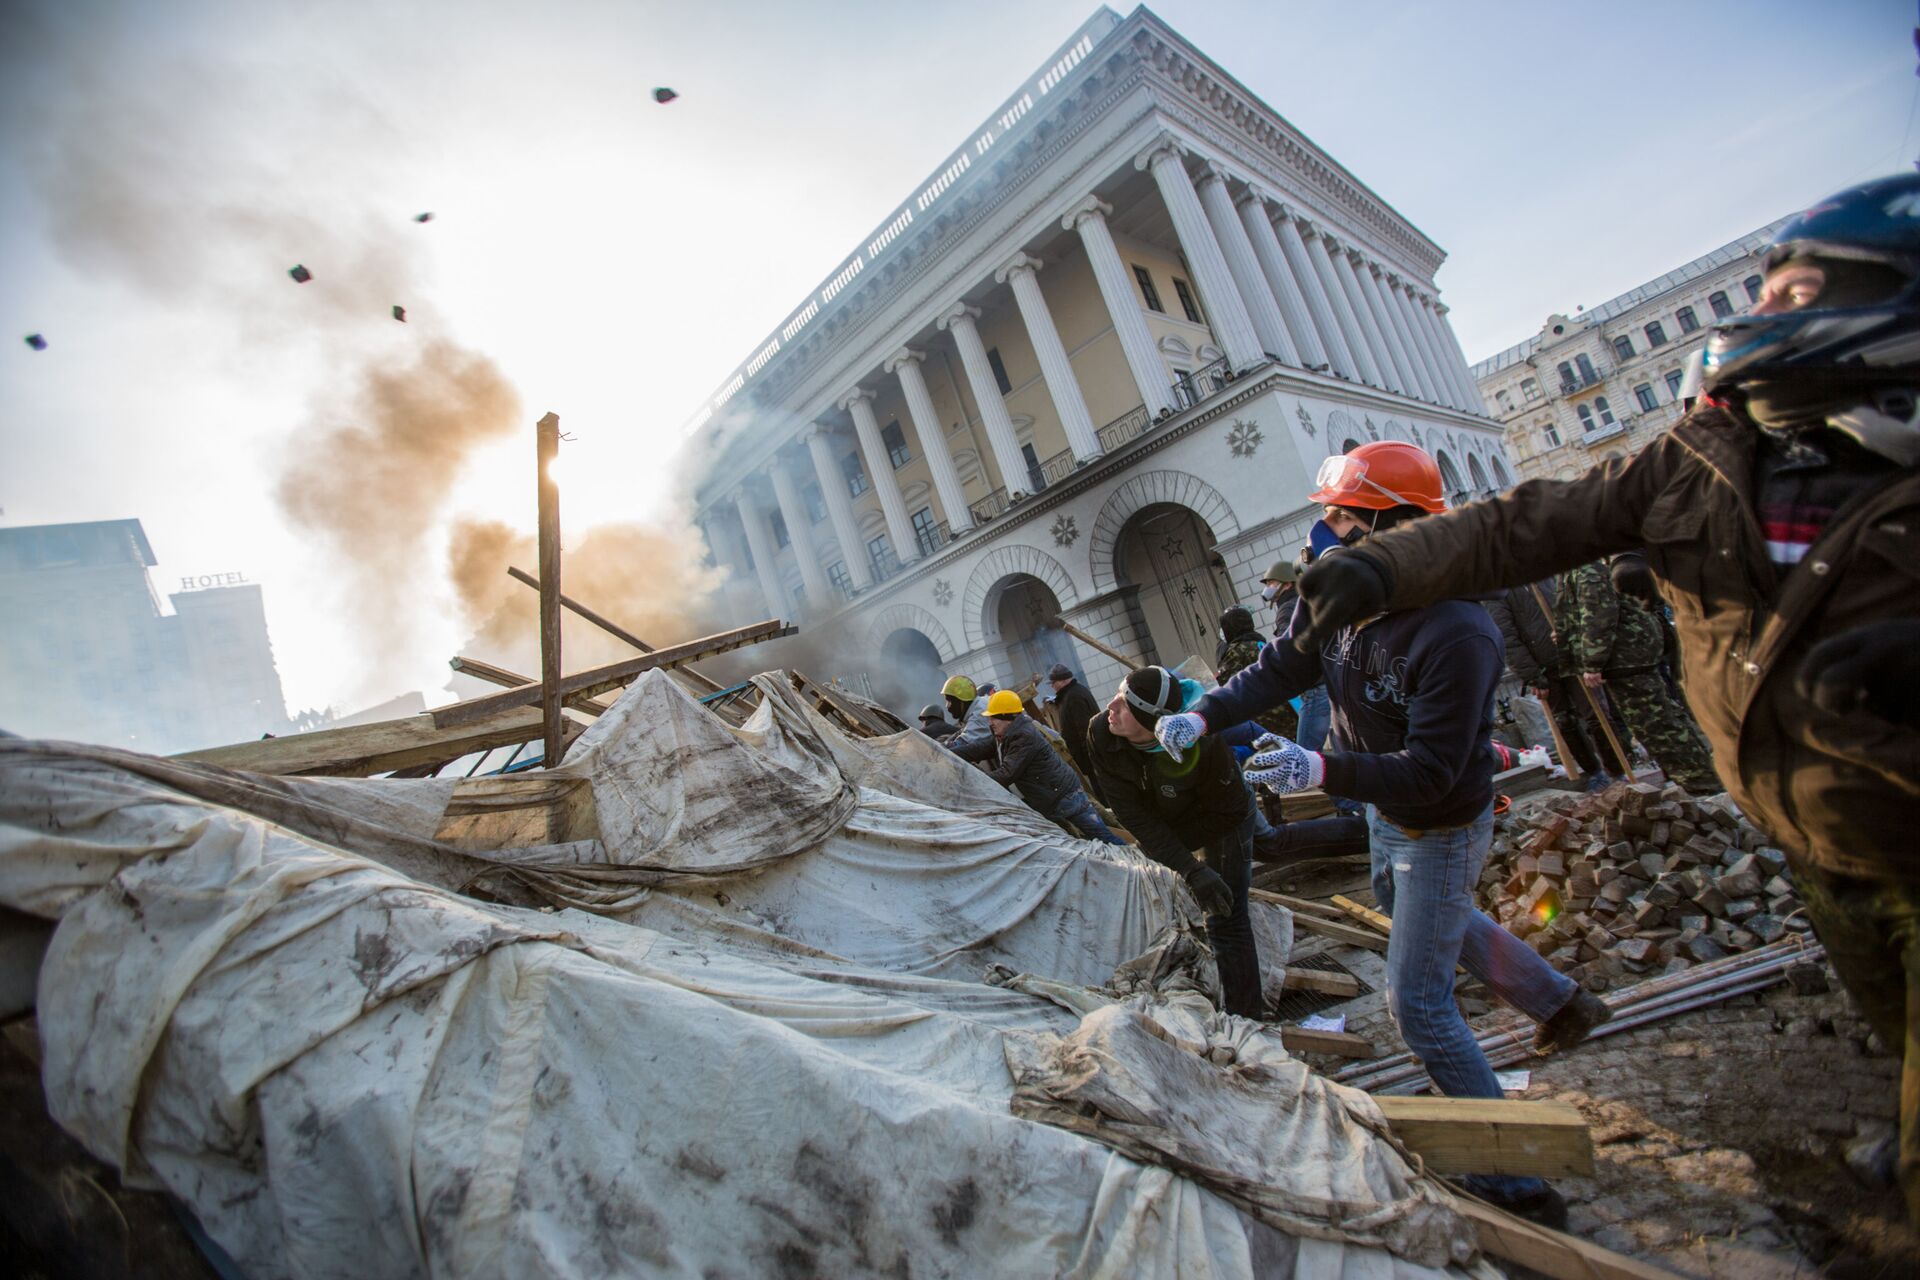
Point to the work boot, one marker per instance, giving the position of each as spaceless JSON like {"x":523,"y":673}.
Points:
{"x":1597,"y":782}
{"x":1575,"y":1022}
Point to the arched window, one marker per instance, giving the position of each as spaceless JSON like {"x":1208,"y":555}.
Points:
{"x":1605,"y":410}
{"x":1688,"y":321}
{"x":1721,"y":307}
{"x":1500,"y":476}
{"x":1479,"y":474}
{"x":1504,"y":400}
{"x":1587,"y":375}
{"x":1450,"y":481}
{"x":1586,"y":416}
{"x":1349,"y":445}
{"x":1752,"y":284}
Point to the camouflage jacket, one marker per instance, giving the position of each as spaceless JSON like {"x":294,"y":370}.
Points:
{"x":1242,"y":652}
{"x":1598,"y":629}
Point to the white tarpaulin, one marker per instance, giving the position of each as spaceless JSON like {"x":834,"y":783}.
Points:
{"x":833,"y":1012}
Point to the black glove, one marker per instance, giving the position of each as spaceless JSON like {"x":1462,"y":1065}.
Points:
{"x":1340,"y":588}
{"x":1632,"y":577}
{"x":1875,"y":668}
{"x":1210,"y":891}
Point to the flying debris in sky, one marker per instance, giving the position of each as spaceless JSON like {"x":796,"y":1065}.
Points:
{"x":399,"y":313}
{"x":300,"y":274}
{"x":664,"y":95}
{"x":424,"y":217}
{"x":37,"y":342}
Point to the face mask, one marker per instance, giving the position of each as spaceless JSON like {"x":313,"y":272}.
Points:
{"x":1268,"y":592}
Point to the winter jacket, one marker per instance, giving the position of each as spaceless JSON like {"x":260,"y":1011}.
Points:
{"x":976,"y":728}
{"x":1171,"y":809}
{"x":1024,"y":760}
{"x":1076,"y":706}
{"x":1412,"y":696}
{"x":1526,"y":633}
{"x":939,"y":730}
{"x":1837,"y":789}
{"x":1602,"y":630}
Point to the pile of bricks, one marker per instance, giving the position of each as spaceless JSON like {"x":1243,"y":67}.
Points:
{"x":1637,"y":880}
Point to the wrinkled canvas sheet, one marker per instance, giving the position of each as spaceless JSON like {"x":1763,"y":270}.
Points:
{"x":858,"y":1034}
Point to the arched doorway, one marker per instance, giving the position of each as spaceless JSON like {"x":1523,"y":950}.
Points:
{"x":908,"y":675}
{"x":1021,"y":609}
{"x":1168,"y":552}
{"x":1479,"y":474}
{"x":1456,"y":492}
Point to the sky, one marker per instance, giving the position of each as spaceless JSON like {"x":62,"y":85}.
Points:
{"x":611,"y":259}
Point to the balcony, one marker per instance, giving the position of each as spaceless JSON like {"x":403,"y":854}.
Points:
{"x":1191,"y":389}
{"x":990,"y":507}
{"x":1124,"y":429}
{"x":1602,"y":431}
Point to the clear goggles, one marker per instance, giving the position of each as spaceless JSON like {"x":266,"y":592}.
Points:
{"x":1346,"y":474}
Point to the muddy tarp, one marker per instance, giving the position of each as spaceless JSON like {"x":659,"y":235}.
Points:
{"x":871,"y":1040}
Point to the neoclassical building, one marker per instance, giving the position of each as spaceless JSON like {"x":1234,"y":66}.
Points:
{"x":1605,"y":381}
{"x":1087,"y":370}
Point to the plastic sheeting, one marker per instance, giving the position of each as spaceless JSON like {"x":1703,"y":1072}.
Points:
{"x":844,"y":1007}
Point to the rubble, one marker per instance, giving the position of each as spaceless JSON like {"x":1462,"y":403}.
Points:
{"x":1639,"y":879}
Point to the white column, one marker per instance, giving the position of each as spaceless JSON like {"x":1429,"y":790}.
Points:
{"x":1319,"y":305}
{"x":1226,"y":314}
{"x":1403,"y":297}
{"x":1453,"y":358}
{"x":1252,"y":286}
{"x":986,"y":393}
{"x":800,"y":533}
{"x":1396,"y":347}
{"x":1286,"y":290}
{"x":1350,"y":329}
{"x":880,"y":470}
{"x":904,"y":364}
{"x":760,"y":541}
{"x":1374,"y":340}
{"x":1055,"y":369}
{"x":833,"y":483}
{"x":1089,"y":218}
{"x":728,"y":548}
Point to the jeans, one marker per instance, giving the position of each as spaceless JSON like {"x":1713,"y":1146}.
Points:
{"x":1076,"y":812}
{"x":1305,"y":838}
{"x":1234,"y":950}
{"x":1316,"y":716}
{"x":1432,"y":875}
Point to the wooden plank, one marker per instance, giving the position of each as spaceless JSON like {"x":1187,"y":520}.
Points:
{"x":546,"y":448}
{"x":1302,"y":1040}
{"x":1312,"y":803}
{"x":364,"y":749}
{"x":1493,"y":1135}
{"x":517,"y":812}
{"x":1303,"y":906}
{"x":513,"y":680}
{"x":1325,"y":928}
{"x":1365,"y":915}
{"x":612,"y":628}
{"x":1322,"y":981}
{"x":603,"y":679}
{"x":1552,"y":1253}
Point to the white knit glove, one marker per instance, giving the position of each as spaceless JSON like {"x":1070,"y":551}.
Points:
{"x":1179,"y":731}
{"x":1283,"y":766}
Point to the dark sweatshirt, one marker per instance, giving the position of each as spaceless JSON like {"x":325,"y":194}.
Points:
{"x":1412,"y":696}
{"x":1169,"y":808}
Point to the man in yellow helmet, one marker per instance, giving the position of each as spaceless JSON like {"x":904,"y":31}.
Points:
{"x":1023,"y":759}
{"x":968,"y":710}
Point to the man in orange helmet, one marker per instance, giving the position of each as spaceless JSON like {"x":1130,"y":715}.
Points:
{"x":1412,"y":695}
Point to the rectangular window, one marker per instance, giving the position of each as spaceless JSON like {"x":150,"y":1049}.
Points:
{"x":815,"y":500}
{"x":1568,"y":383}
{"x":1550,"y":433}
{"x":1000,"y":377}
{"x":880,"y":555}
{"x":1674,"y":378}
{"x":1530,"y":388}
{"x":1722,"y":308}
{"x":896,"y":441}
{"x":856,"y":478}
{"x":1656,"y":334}
{"x":1035,"y":481}
{"x":924,"y":532}
{"x":1623,"y":348}
{"x":1644,"y":394}
{"x":1148,"y":293}
{"x":1187,"y":304}
{"x":780,"y":536}
{"x":842,"y":580}
{"x":1688,"y":322}
{"x":1587,"y":376}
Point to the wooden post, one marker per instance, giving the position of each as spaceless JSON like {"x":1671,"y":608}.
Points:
{"x":1606,"y":725}
{"x":546,"y":449}
{"x":607,"y":625}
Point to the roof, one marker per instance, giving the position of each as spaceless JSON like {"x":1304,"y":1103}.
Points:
{"x":1706,"y":264}
{"x":88,"y":543}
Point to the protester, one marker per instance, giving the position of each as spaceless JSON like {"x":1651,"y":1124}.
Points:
{"x":1616,"y":645}
{"x":1023,"y":759}
{"x":1412,"y":696}
{"x":1240,"y":645}
{"x":1527,"y":632}
{"x":1075,"y":707}
{"x":1276,"y":588}
{"x":1174,"y":807}
{"x":967,"y":706}
{"x":1781,"y":518}
{"x":933,"y":723}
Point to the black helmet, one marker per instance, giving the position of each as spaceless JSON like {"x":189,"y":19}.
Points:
{"x":931,"y":712}
{"x":1235,"y":620}
{"x":1860,"y":338}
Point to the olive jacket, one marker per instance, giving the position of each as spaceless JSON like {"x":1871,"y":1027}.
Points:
{"x":1838,"y":790}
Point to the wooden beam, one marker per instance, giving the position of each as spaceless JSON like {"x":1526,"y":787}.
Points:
{"x":1365,"y":915}
{"x":513,"y":680}
{"x":612,"y":628}
{"x":613,"y":676}
{"x":1326,"y":983}
{"x":1319,"y":925}
{"x":364,"y":749}
{"x":1552,"y":1253}
{"x":1302,"y":1040}
{"x":546,"y":446}
{"x":1493,"y":1135}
